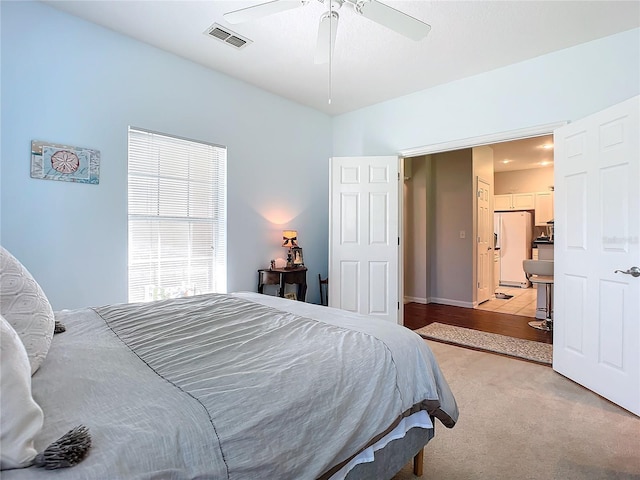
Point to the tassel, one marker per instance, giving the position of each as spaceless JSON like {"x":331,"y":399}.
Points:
{"x":67,"y":451}
{"x":59,"y":328}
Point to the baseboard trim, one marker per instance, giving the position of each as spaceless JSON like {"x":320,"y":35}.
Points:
{"x":448,"y":301}
{"x":424,"y":301}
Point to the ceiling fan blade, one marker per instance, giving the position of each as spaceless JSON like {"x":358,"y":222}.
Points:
{"x":262,"y":10}
{"x":394,"y":19}
{"x":326,"y":36}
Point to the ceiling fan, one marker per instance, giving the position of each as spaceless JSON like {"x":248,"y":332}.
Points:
{"x":376,"y":11}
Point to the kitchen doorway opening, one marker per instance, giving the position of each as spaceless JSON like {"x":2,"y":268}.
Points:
{"x":441,"y":230}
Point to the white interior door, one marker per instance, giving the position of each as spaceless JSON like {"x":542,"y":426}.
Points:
{"x":364,"y":236}
{"x":596,"y":339}
{"x":484,"y":241}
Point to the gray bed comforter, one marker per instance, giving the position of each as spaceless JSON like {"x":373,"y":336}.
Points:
{"x":229,"y":387}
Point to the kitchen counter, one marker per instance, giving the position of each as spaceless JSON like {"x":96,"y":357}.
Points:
{"x":545,"y":249}
{"x":537,"y":242}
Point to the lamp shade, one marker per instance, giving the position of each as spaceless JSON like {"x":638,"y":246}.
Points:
{"x":289,"y":238}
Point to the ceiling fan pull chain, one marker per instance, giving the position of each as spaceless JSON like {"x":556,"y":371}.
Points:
{"x":330,"y":52}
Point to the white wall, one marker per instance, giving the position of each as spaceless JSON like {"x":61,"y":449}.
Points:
{"x":68,"y":81}
{"x":561,"y":86}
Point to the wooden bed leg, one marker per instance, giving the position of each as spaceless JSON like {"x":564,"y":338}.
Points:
{"x":418,"y":463}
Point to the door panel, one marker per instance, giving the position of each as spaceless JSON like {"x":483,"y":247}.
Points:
{"x":349,"y":203}
{"x":378,"y":286}
{"x":576,"y":296}
{"x":349,"y":291}
{"x":363,"y":244}
{"x":611,"y":326}
{"x":379,"y":218}
{"x":597,"y":311}
{"x":576,"y":201}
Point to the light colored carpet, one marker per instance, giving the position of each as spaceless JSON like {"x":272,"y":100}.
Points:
{"x":492,"y":342}
{"x":519,"y":420}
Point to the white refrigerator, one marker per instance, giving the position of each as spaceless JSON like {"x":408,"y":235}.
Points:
{"x":513,"y":242}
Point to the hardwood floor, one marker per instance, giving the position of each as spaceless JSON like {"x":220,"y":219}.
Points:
{"x":418,"y":315}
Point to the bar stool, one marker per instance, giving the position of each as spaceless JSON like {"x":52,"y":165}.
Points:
{"x":540,"y":272}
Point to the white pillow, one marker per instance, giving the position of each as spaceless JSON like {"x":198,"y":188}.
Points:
{"x":20,"y":416}
{"x":25,"y":306}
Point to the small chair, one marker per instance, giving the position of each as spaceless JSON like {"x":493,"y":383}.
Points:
{"x":540,"y":272}
{"x":324,"y":290}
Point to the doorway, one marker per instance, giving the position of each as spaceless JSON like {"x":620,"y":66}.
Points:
{"x":422,"y":251}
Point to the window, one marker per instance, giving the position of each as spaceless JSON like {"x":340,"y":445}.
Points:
{"x":177,"y":217}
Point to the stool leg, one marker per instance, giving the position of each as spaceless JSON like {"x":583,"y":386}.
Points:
{"x":547,"y":323}
{"x":549,"y":319}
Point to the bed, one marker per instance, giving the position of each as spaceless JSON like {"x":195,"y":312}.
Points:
{"x":237,"y":386}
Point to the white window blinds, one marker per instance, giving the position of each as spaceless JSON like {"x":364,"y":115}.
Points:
{"x":177,"y":217}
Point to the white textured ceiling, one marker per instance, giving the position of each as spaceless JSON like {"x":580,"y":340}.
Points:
{"x":370,"y":64}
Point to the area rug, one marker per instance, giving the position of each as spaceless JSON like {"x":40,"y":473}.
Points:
{"x":489,"y":342}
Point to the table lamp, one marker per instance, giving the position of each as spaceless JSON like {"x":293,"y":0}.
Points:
{"x":289,"y":240}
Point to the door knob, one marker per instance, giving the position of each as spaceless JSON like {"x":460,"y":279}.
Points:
{"x":633,"y":271}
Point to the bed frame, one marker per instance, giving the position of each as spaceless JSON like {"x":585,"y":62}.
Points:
{"x":392,"y":458}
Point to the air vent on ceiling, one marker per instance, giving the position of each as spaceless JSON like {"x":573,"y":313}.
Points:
{"x":227,"y":36}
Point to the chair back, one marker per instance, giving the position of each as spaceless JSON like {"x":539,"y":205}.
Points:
{"x":538,"y":267}
{"x":324,"y":290}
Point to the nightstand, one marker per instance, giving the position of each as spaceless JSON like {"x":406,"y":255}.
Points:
{"x":282,"y":276}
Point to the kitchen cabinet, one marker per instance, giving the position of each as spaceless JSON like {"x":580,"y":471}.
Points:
{"x":543,"y":208}
{"x":514,"y":201}
{"x":501,"y":203}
